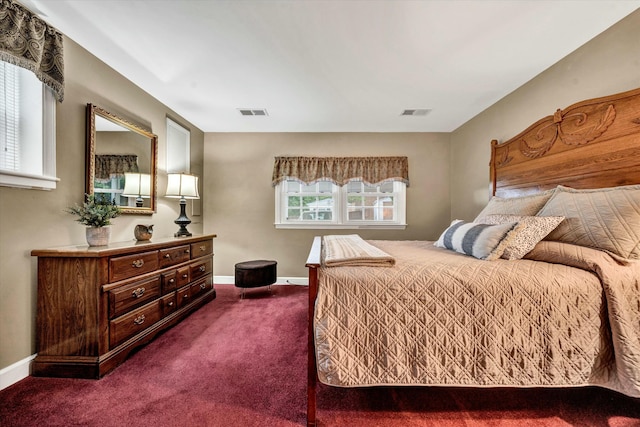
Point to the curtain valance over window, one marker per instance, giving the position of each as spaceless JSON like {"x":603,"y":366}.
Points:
{"x":116,"y":164}
{"x":339,"y":170}
{"x":30,"y":43}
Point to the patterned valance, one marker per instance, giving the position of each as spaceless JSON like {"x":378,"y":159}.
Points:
{"x":115,"y":164}
{"x":339,"y":170}
{"x":30,"y":43}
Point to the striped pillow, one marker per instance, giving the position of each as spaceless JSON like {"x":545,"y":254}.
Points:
{"x":482,"y":241}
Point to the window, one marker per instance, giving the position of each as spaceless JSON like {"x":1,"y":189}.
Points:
{"x":325,"y":205}
{"x":178,"y":148}
{"x":27,"y":130}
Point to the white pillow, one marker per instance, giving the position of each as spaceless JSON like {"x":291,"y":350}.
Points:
{"x":526,"y":235}
{"x":482,"y":241}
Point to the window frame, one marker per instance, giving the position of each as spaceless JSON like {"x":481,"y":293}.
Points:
{"x":47,"y":180}
{"x":340,"y":215}
{"x":178,"y":149}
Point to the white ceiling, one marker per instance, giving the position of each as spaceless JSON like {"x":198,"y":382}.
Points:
{"x":330,"y":65}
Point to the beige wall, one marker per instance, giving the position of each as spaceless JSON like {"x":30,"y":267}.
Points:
{"x":237,"y":198}
{"x":608,"y":64}
{"x":31,"y":219}
{"x":240,"y":207}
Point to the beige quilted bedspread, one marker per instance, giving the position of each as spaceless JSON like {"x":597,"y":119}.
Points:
{"x":442,"y":318}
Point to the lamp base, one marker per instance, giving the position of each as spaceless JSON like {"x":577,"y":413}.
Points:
{"x":183,"y":221}
{"x":183,"y":232}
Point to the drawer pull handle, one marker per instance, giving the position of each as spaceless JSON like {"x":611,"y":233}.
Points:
{"x":203,"y":248}
{"x":186,"y":251}
{"x":185,"y":275}
{"x":139,"y":320}
{"x":203,"y":268}
{"x":138,"y":263}
{"x":167,"y":255}
{"x":185,"y":296}
{"x":203,"y":286}
{"x":138,"y":293}
{"x":170,"y":304}
{"x":172,"y":280}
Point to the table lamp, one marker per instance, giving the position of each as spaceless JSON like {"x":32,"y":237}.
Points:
{"x":137,"y":185}
{"x":182,"y":186}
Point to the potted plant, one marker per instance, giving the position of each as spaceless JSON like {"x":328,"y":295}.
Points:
{"x":96,"y":213}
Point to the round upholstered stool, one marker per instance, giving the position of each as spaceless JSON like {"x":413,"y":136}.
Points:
{"x":253,"y":274}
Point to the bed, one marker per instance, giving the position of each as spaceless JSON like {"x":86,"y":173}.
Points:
{"x":547,"y":294}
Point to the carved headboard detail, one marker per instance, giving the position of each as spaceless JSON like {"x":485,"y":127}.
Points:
{"x":590,"y":144}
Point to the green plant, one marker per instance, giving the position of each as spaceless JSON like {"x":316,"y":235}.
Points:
{"x":95,"y":211}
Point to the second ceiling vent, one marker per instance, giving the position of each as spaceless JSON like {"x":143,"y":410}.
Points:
{"x":415,"y":112}
{"x":253,"y":112}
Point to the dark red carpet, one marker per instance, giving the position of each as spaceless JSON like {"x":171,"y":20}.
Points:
{"x":243,"y":363}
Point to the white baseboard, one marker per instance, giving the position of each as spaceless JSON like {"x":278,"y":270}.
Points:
{"x":230,"y":280}
{"x":16,"y":372}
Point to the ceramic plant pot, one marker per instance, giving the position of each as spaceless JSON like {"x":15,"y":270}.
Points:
{"x":98,"y":236}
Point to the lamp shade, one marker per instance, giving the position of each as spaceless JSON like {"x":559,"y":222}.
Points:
{"x":181,"y":185}
{"x":137,"y":185}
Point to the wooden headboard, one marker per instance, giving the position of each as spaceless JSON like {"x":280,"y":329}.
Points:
{"x":590,"y":144}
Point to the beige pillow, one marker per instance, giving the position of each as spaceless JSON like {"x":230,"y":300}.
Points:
{"x":606,"y":218}
{"x":524,"y":205}
{"x":526,"y":234}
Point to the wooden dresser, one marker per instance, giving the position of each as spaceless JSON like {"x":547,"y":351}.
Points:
{"x":97,"y":304}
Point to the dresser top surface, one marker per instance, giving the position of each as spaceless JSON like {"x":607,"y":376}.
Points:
{"x":117,"y":248}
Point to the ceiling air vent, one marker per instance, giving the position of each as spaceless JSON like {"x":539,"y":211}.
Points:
{"x":415,"y":112}
{"x":253,"y":112}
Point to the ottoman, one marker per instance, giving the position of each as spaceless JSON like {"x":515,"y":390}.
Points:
{"x":256,"y":273}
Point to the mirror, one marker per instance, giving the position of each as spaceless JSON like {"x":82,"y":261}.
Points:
{"x":121,"y":161}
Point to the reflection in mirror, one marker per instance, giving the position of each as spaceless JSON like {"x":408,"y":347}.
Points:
{"x":137,"y":185}
{"x":121,"y":161}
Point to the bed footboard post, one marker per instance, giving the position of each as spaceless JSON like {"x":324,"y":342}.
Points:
{"x":313,"y":262}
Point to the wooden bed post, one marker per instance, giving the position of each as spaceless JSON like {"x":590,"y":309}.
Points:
{"x":492,"y":168}
{"x":313,"y":262}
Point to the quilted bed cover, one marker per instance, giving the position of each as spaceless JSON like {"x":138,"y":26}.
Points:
{"x":565,"y":316}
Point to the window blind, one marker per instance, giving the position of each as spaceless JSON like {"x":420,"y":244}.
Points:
{"x":9,"y":117}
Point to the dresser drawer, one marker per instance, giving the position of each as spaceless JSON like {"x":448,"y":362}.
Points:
{"x":174,"y":279}
{"x":174,"y":255}
{"x":125,"y":327}
{"x":200,"y":287}
{"x":182,"y":276}
{"x":169,"y":304}
{"x":124,"y":267}
{"x":183,"y":296}
{"x":201,"y":249}
{"x":126,"y":297}
{"x":200,"y":269}
{"x":169,"y":281}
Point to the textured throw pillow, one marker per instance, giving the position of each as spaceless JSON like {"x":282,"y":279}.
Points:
{"x":606,"y":218}
{"x":524,"y":205}
{"x":526,"y":235}
{"x":482,"y":241}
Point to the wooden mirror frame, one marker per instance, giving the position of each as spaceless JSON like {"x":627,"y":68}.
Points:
{"x":92,"y":111}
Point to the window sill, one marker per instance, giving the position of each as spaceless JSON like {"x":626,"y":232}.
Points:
{"x":35,"y":182}
{"x":341,"y":226}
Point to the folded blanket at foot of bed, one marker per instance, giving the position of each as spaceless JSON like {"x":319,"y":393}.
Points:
{"x":351,"y":249}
